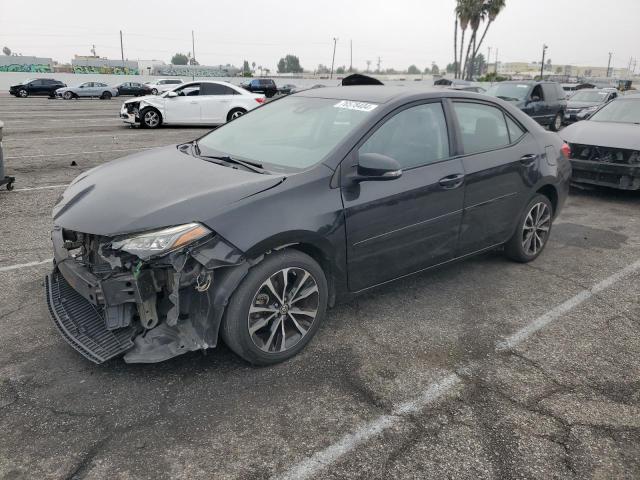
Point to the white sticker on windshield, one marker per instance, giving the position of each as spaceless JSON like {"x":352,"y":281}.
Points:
{"x":523,"y":86}
{"x":360,"y":106}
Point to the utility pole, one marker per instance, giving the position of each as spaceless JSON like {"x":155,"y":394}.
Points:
{"x":609,"y":64}
{"x":544,"y":50}
{"x":351,"y":56}
{"x":629,"y":67}
{"x":368,"y":65}
{"x":193,"y":55}
{"x":333,"y":59}
{"x":122,"y":50}
{"x":379,"y":60}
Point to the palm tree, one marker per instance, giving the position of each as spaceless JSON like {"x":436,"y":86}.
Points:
{"x":463,"y":11}
{"x":476,"y":17}
{"x":493,"y":9}
{"x":455,"y":48}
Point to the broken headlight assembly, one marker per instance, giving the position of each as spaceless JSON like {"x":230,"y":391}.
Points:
{"x":160,"y":242}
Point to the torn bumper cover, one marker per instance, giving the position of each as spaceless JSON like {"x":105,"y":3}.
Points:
{"x":606,"y":166}
{"x":108,"y":302}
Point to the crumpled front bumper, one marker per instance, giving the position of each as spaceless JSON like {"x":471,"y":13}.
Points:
{"x":107,"y":314}
{"x":625,"y":177}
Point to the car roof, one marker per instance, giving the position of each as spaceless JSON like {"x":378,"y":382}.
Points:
{"x":384,"y":94}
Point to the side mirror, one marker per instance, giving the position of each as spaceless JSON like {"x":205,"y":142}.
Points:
{"x":376,"y":167}
{"x":172,"y":94}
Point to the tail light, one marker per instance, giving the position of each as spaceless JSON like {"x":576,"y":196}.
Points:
{"x":566,"y":150}
{"x":260,"y":99}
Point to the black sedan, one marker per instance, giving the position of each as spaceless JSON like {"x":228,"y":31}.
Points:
{"x":133,"y":88}
{"x":37,"y":87}
{"x":584,"y":102}
{"x":252,"y":231}
{"x":605,"y":148}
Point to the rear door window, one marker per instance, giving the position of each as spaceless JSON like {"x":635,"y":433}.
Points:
{"x":216,"y":89}
{"x":483,"y":127}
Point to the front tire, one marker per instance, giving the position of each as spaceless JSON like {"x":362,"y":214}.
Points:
{"x":532,"y":232}
{"x":235,"y":113}
{"x":154,"y":91}
{"x":68,"y":95}
{"x":277,"y":309}
{"x":150,"y":118}
{"x":556,"y":124}
{"x":22,"y":93}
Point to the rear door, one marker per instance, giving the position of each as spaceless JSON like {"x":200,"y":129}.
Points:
{"x":37,"y":87}
{"x":215,"y":101}
{"x":501,"y":164}
{"x":398,"y":227}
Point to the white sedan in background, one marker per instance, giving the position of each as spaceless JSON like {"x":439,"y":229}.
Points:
{"x":193,"y":103}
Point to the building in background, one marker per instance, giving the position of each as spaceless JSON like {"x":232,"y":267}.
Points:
{"x":94,"y":64}
{"x":196,"y":70}
{"x":20,"y":63}
{"x":147,"y":67}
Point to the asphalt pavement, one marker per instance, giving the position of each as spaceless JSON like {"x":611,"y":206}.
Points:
{"x":486,"y":369}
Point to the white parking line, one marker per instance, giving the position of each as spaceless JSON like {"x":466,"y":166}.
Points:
{"x":46,"y":187}
{"x":25,"y":265}
{"x":84,"y":153}
{"x":312,"y":465}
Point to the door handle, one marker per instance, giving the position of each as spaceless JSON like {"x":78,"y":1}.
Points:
{"x":452,"y":181}
{"x":528,"y":159}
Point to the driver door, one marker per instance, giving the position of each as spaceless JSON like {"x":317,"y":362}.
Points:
{"x":401,"y":226}
{"x":185,"y":108}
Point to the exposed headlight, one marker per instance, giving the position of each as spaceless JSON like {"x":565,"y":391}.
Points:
{"x":159,"y":242}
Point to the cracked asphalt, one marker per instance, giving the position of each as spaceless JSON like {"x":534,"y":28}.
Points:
{"x":563,"y":403}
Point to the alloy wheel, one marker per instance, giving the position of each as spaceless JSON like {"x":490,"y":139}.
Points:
{"x":236,"y":114}
{"x":283,"y":310}
{"x":536,"y":228}
{"x":68,"y":95}
{"x":23,"y":93}
{"x":151,"y":119}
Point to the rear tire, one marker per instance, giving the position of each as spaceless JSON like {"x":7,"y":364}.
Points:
{"x":106,"y":96}
{"x":154,"y":91}
{"x":150,"y":118}
{"x":276,"y":331}
{"x":235,"y":113}
{"x":532,"y":232}
{"x":556,"y":124}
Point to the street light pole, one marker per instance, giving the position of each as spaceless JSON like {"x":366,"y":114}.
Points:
{"x":335,"y":41}
{"x":193,"y":55}
{"x":544,"y":50}
{"x":609,"y":64}
{"x":122,"y":51}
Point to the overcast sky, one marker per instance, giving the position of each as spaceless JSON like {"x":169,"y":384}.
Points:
{"x":401,"y":32}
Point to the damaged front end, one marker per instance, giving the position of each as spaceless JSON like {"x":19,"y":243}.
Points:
{"x":605,"y":166}
{"x":149,"y":296}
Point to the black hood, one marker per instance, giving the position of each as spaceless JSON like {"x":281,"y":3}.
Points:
{"x":603,"y":134}
{"x":154,"y":189}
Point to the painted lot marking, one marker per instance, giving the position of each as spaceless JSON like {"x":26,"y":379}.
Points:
{"x":84,"y":153}
{"x":114,"y":135}
{"x":312,"y":465}
{"x":25,"y":265}
{"x":46,"y":187}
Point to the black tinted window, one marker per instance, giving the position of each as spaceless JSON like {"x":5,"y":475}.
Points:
{"x":37,"y":83}
{"x":483,"y":127}
{"x":416,"y":136}
{"x":215,"y":89}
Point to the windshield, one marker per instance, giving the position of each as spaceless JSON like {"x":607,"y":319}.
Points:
{"x":509,"y":91}
{"x":622,"y":110}
{"x":293,"y":133}
{"x":589,"y":96}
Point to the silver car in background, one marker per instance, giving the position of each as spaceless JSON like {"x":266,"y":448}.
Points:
{"x":88,"y":89}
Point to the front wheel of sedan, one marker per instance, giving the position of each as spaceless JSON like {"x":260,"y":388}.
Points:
{"x":68,"y":95}
{"x":22,"y":93}
{"x":154,"y":91}
{"x":556,"y":124}
{"x":533,"y":231}
{"x":150,"y":118}
{"x":277,"y":308}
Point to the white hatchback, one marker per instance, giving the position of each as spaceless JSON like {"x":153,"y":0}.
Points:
{"x":193,"y":103}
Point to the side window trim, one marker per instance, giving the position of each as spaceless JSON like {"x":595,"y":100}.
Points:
{"x":489,"y":104}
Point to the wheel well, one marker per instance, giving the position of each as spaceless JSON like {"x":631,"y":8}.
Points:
{"x":551,"y":193}
{"x":233,"y":110}
{"x":318,"y":255}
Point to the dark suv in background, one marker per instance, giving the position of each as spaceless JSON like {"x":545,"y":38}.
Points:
{"x":545,"y":102}
{"x":40,"y":86}
{"x":261,"y":85}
